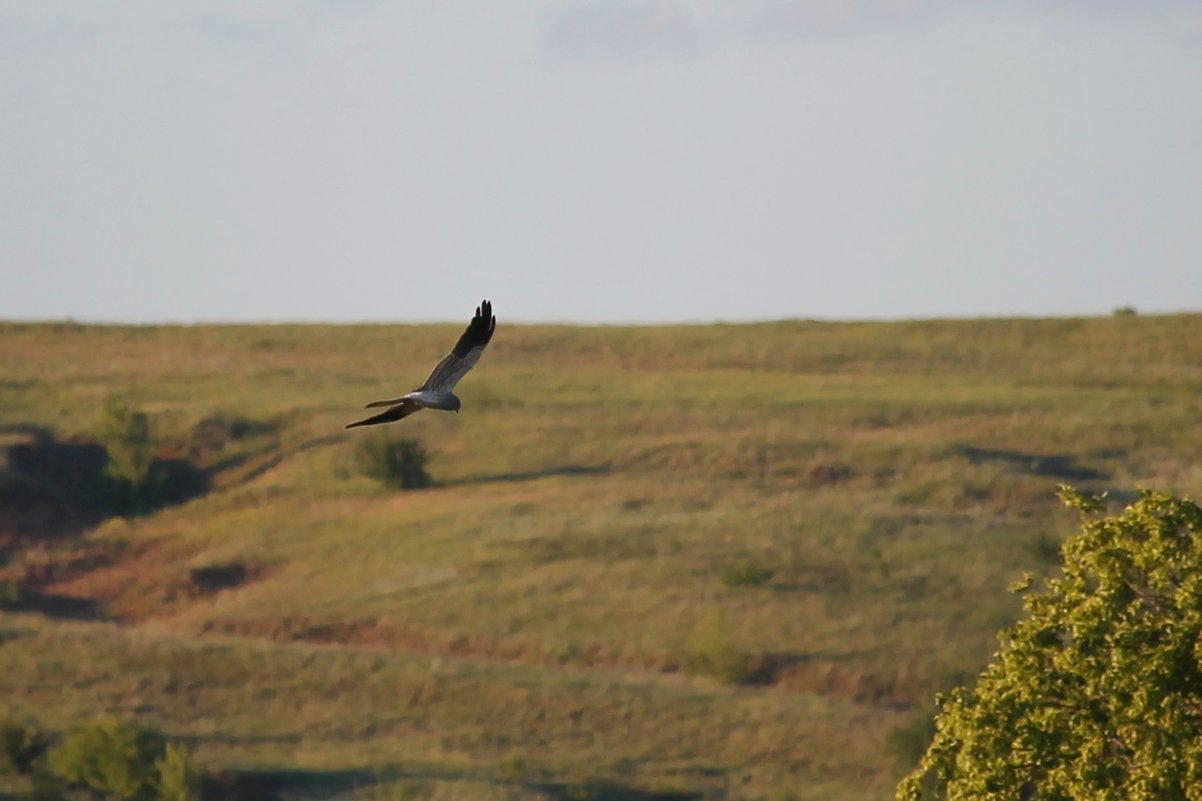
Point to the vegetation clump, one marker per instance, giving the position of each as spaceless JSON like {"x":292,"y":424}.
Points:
{"x":713,"y":653}
{"x":141,"y":473}
{"x":745,"y":573}
{"x":117,"y":759}
{"x":125,"y":433}
{"x":178,"y":777}
{"x":396,"y":462}
{"x":21,"y":745}
{"x":1097,"y":691}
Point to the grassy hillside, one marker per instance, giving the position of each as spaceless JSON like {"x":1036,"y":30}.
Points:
{"x":835,"y":509}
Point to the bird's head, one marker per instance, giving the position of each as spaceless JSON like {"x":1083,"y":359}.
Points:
{"x":456,"y":403}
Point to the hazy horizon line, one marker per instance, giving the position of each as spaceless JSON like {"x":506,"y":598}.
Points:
{"x":1122,"y":311}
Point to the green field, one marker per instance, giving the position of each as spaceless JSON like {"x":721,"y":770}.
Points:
{"x":837,"y":509}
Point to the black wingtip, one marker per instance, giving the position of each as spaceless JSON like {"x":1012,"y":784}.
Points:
{"x":490,"y":319}
{"x":479,"y":331}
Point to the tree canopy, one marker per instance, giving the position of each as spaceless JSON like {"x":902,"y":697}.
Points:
{"x":1096,"y":692}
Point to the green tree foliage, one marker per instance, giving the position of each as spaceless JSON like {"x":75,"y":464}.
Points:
{"x":396,"y":462}
{"x":124,"y":431}
{"x":114,"y":758}
{"x":1097,"y":692}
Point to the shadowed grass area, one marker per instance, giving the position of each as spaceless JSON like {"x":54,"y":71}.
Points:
{"x":307,"y":707}
{"x":848,"y":501}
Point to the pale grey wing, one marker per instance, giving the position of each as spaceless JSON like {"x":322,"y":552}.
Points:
{"x":463,"y":357}
{"x":448,"y":372}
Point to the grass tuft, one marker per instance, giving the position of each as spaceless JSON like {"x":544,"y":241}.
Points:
{"x":745,"y":573}
{"x":712,"y":652}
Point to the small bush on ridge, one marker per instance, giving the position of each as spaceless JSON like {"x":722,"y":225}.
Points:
{"x":395,"y":462}
{"x":125,"y":433}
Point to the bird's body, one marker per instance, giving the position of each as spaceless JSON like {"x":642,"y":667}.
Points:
{"x":436,"y":392}
{"x":447,"y":401}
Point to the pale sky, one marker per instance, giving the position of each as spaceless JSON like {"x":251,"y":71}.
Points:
{"x":598,"y":160}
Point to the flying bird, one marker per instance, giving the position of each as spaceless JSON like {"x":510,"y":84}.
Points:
{"x":436,"y":392}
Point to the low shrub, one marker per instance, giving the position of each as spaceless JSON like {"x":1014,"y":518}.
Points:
{"x":21,"y":745}
{"x":125,"y":433}
{"x":113,"y":758}
{"x":713,"y":653}
{"x":395,"y":462}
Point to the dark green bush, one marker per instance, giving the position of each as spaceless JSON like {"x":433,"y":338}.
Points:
{"x":125,"y":433}
{"x":395,"y":462}
{"x":113,"y":758}
{"x":21,"y":744}
{"x":134,"y":480}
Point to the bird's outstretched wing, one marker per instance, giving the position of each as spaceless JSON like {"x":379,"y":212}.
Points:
{"x":466,"y":352}
{"x":403,"y":409}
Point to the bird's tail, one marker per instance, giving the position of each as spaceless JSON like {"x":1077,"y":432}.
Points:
{"x":398,"y":412}
{"x":389,"y":402}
